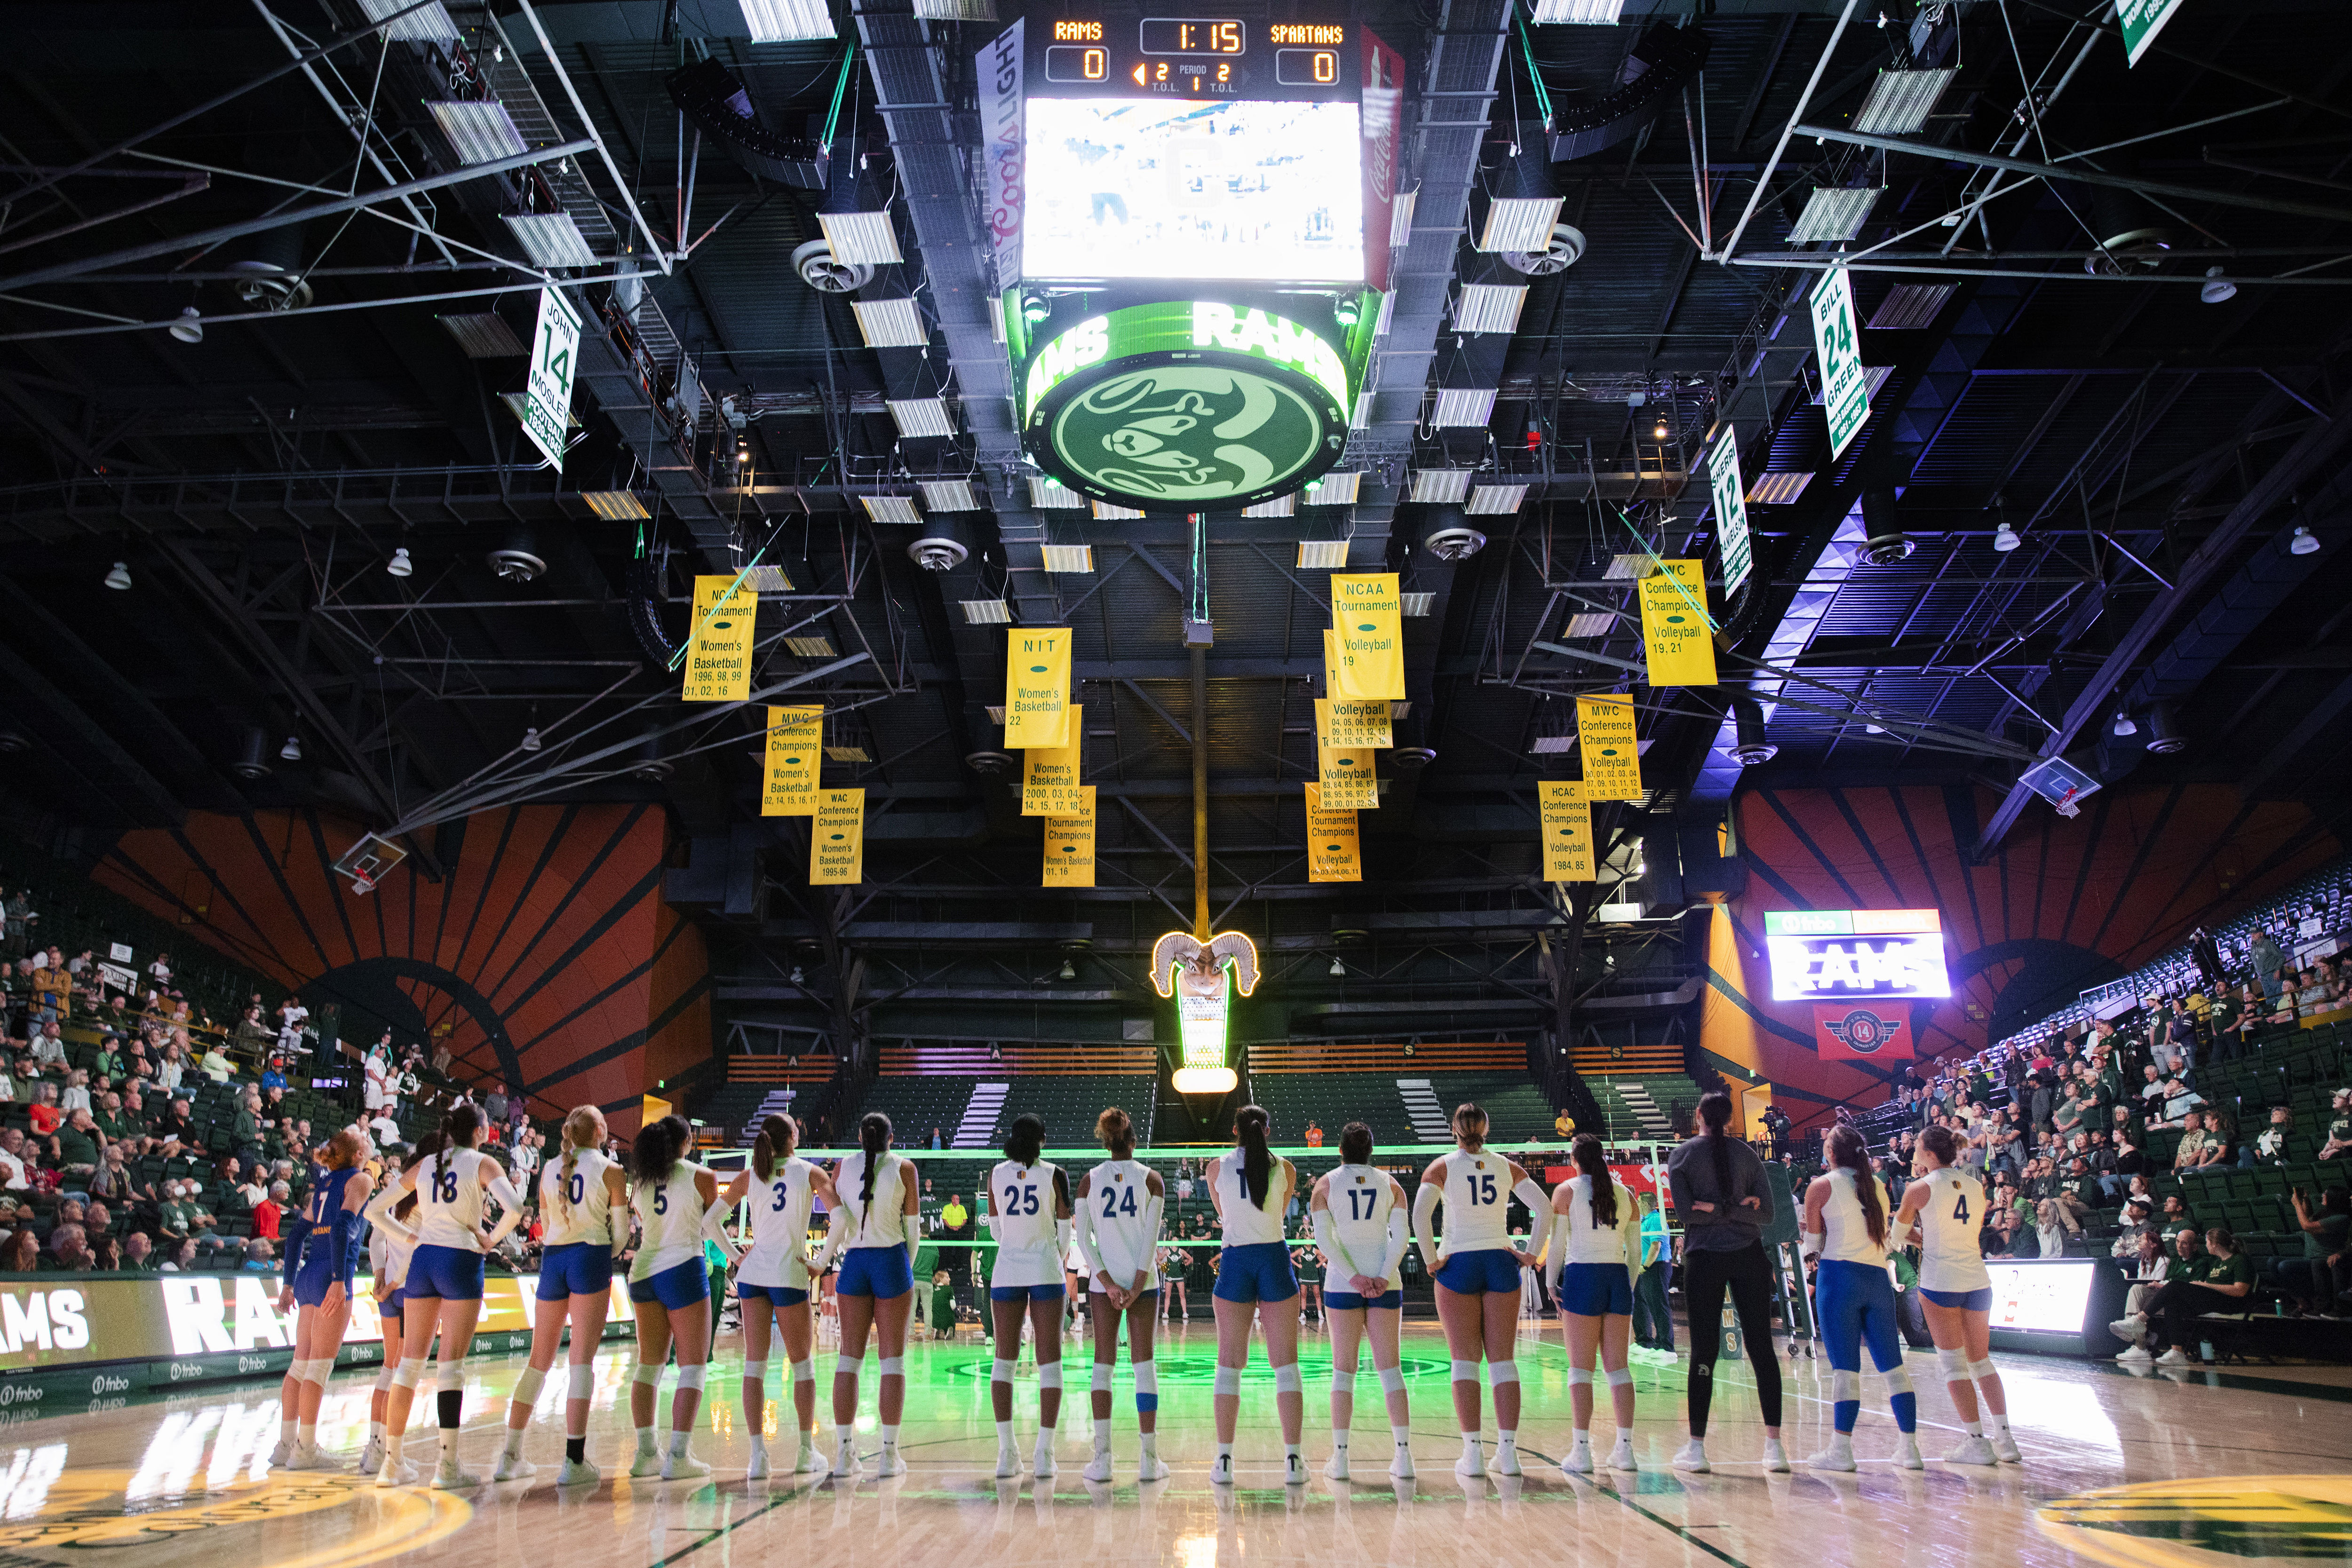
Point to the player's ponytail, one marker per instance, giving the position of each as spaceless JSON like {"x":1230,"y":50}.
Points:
{"x":460,"y":1128}
{"x":1114,"y":1130}
{"x":779,"y":1135}
{"x":581,"y":1128}
{"x":1847,"y":1149}
{"x":1026,"y":1141}
{"x":1470,"y":1125}
{"x":1715,"y":1114}
{"x":1356,"y":1144}
{"x":1250,"y":1124}
{"x":1595,"y":1165}
{"x":874,"y":1138}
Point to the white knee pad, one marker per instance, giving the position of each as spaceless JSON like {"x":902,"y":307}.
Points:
{"x":1466,"y":1372}
{"x":1898,"y":1379}
{"x":1954,"y":1363}
{"x":1501,"y":1371}
{"x":1286,"y":1379}
{"x":406,"y":1374}
{"x":1981,"y":1369}
{"x":1100,"y":1381}
{"x":755,"y":1372}
{"x":1049,"y":1375}
{"x":1147,"y":1377}
{"x":384,"y":1375}
{"x":581,"y":1380}
{"x":1228,"y":1380}
{"x":999,"y":1372}
{"x":896,"y":1366}
{"x":1620,"y":1376}
{"x":527,"y":1386}
{"x":804,"y":1371}
{"x":1579,"y":1376}
{"x":1844,"y":1386}
{"x":691,"y":1377}
{"x":648,"y":1374}
{"x":1343,"y":1381}
{"x":448,"y":1376}
{"x":1391,"y":1379}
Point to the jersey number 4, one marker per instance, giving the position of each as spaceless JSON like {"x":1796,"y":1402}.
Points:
{"x":1960,"y":1208}
{"x":1111,"y":1204}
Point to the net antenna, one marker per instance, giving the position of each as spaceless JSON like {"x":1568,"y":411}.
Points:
{"x":366,"y":862}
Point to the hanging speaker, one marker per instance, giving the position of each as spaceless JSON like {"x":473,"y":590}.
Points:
{"x":1664,"y":60}
{"x":710,"y":96}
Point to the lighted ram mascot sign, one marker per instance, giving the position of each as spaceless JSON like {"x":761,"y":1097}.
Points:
{"x":1201,"y":975}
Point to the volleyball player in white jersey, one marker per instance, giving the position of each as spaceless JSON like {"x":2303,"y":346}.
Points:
{"x":670,"y":1291}
{"x":1120,"y":1203}
{"x":1251,"y":1187}
{"x":772,"y":1286}
{"x":391,"y":1237}
{"x":443,"y":1292}
{"x":1948,"y":1206}
{"x":577,"y":1198}
{"x":1477,"y":1276}
{"x":322,"y":1247}
{"x":1358,"y":1216}
{"x":1847,"y":1227}
{"x":870,"y":1228}
{"x":1594,"y":1253}
{"x":1029,"y":1215}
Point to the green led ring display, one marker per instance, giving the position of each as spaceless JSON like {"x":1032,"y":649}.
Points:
{"x":1185,"y":406}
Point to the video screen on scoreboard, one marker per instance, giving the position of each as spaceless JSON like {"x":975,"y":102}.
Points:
{"x":2048,"y":1297}
{"x":1841,"y":955}
{"x":1237,"y":189}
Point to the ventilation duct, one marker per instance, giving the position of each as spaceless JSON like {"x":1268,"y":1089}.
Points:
{"x":1664,"y":60}
{"x":710,"y":96}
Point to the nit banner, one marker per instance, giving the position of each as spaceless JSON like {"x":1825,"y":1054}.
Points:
{"x":788,"y":785}
{"x":718,"y":648}
{"x":1036,"y":687}
{"x":837,"y":837}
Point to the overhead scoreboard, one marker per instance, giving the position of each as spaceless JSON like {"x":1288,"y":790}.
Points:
{"x":1203,"y":226}
{"x":1842,"y":954}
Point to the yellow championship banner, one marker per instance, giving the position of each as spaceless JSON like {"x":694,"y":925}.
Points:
{"x":1070,"y":841}
{"x":1347,"y":781}
{"x":1334,"y":850}
{"x":837,"y":837}
{"x":1049,"y":774}
{"x":1352,"y":725}
{"x":1674,"y":632}
{"x":719,"y":647}
{"x":1613,"y":758}
{"x":1036,"y":687}
{"x":795,"y":748}
{"x":1566,"y":831}
{"x":1368,"y":613}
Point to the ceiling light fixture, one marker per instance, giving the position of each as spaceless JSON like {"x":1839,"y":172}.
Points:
{"x":2216,"y":290}
{"x":1069,"y":970}
{"x":190,"y":327}
{"x":530,"y":742}
{"x":550,"y":239}
{"x":2123,"y":725}
{"x":292,"y":750}
{"x":400,"y":565}
{"x":1337,"y":968}
{"x":2005,"y":539}
{"x":2302,"y":543}
{"x":787,"y":21}
{"x":119,"y":579}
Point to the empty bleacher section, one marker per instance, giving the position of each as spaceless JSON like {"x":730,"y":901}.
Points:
{"x":1404,"y":1094}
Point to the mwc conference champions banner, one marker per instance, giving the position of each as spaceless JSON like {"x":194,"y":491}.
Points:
{"x":62,"y":1321}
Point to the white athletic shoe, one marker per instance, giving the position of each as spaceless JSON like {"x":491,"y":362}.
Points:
{"x":371,"y":1456}
{"x":888,"y":1465}
{"x":646,"y":1464}
{"x":282,"y":1455}
{"x":1294,"y":1471}
{"x":1401,"y":1467}
{"x":1335,"y":1467}
{"x":1470,"y":1464}
{"x":1972,"y":1451}
{"x":682,"y":1468}
{"x":1152,"y":1469}
{"x":2176,"y":1356}
{"x":808,"y":1461}
{"x":310,"y":1456}
{"x":2135,"y":1352}
{"x":1776,"y":1457}
{"x":451,"y":1476}
{"x":757,"y":1470}
{"x":578,"y":1473}
{"x":1836,"y":1456}
{"x":402,"y":1474}
{"x":846,"y":1464}
{"x":2128,"y":1328}
{"x":1221,"y":1473}
{"x":1008,"y":1462}
{"x":1506,"y":1459}
{"x":1579,"y":1461}
{"x":2004,"y":1445}
{"x":512,"y":1468}
{"x":1693,"y":1457}
{"x":1906,"y":1453}
{"x":1621,"y":1457}
{"x":1098,"y":1467}
{"x":1040,"y":1463}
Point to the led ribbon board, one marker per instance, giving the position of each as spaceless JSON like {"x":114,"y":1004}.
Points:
{"x":1833,"y":955}
{"x":1185,"y":406}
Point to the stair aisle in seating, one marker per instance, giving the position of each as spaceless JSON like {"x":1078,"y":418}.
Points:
{"x":977,"y":1130}
{"x":1420,"y":1108}
{"x":1652,"y":1117}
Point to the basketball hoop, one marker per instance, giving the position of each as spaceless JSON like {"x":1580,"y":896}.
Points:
{"x":366,"y":862}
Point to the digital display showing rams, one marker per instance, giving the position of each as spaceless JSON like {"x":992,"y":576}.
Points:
{"x":1196,"y":57}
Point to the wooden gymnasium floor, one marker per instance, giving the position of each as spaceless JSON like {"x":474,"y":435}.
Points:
{"x":2223,"y":1468}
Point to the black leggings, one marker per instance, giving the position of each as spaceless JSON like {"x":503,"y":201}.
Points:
{"x":1749,"y":1276}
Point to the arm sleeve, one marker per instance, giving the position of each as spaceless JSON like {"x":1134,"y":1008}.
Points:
{"x":1147,"y":1264}
{"x":1335,"y":1254}
{"x":1400,"y":1237}
{"x":298,"y":1237}
{"x":1424,"y":1212}
{"x":1555,"y":1252}
{"x":1063,"y":1231}
{"x":380,"y":1215}
{"x":509,"y":1210}
{"x":1088,"y":1253}
{"x":714,"y":1229}
{"x":1538,"y":1203}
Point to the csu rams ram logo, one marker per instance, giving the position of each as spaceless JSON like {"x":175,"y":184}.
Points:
{"x":1863,"y":1032}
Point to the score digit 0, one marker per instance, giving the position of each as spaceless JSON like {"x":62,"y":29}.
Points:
{"x":1094,"y":65}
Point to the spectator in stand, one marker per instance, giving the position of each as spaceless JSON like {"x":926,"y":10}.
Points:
{"x":260,"y":1257}
{"x":76,"y":1095}
{"x":49,"y":1045}
{"x":2275,"y":1146}
{"x":291,"y":1016}
{"x":2339,"y":1128}
{"x":215,"y":1063}
{"x":2227,"y":1281}
{"x":2327,"y":1230}
{"x":268,"y":1213}
{"x":21,"y":1251}
{"x":273,"y":1074}
{"x":174,"y":1071}
{"x":75,"y":1150}
{"x":2268,"y":961}
{"x":1313,"y":1136}
{"x":69,"y":1249}
{"x":2221,"y":1150}
{"x":138,"y":1254}
{"x":44,"y":1112}
{"x":494,"y":1104}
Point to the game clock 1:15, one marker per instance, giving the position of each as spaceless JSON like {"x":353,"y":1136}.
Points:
{"x":1192,"y":36}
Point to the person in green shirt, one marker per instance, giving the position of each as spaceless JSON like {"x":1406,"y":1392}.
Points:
{"x":2327,"y":1230}
{"x":107,"y":1067}
{"x":2225,"y":1286}
{"x":2339,"y":1129}
{"x":74,"y":1149}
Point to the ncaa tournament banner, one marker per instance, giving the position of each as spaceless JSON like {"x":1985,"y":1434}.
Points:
{"x":718,"y":648}
{"x":997,"y":69}
{"x":1368,"y":613}
{"x":1863,"y":1032}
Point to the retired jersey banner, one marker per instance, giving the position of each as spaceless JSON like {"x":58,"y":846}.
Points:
{"x":1070,"y":841}
{"x":718,"y":646}
{"x":1368,"y":613}
{"x":1049,"y":774}
{"x":837,"y":837}
{"x":1036,"y":687}
{"x":1351,"y":724}
{"x":1863,"y":1032}
{"x":1675,"y":631}
{"x":795,"y":748}
{"x":1566,"y":831}
{"x":1613,"y":758}
{"x":1334,"y":850}
{"x":1347,"y":778}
